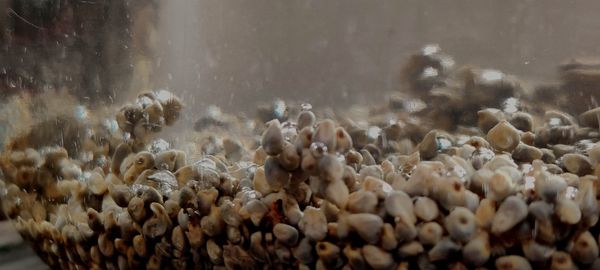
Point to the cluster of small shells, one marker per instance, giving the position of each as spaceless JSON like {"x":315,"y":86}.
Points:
{"x":513,"y":191}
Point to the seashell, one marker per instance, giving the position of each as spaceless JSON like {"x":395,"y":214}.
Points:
{"x":548,"y":156}
{"x":377,"y":258}
{"x":105,"y":245}
{"x":586,"y":199}
{"x":121,"y":152}
{"x":429,"y":233}
{"x":234,"y":150}
{"x":368,"y":226}
{"x":410,"y":249}
{"x":425,"y":208}
{"x":500,"y":186}
{"x":330,"y":211}
{"x":343,"y":140}
{"x":562,"y":261}
{"x":477,"y":251}
{"x":522,"y":121}
{"x":428,"y":147}
{"x":398,"y":204}
{"x":121,"y":194}
{"x":405,"y":231}
{"x":154,"y":262}
{"x":313,"y":224}
{"x":377,"y":186}
{"x":388,"y":237}
{"x":291,"y":210}
{"x":526,"y":153}
{"x":330,"y":168}
{"x":353,"y":157}
{"x":367,"y":158}
{"x":549,"y":187}
{"x":142,"y":161}
{"x":485,"y":213}
{"x":235,"y":257}
{"x":528,"y":138}
{"x":178,"y":238}
{"x":272,"y":138}
{"x":461,"y":224}
{"x":305,"y":119}
{"x":257,"y":251}
{"x":304,"y":139}
{"x":309,"y":163}
{"x":214,"y":251}
{"x":195,"y":235}
{"x":503,"y":137}
{"x":567,"y":211}
{"x":590,"y":118}
{"x":512,"y":211}
{"x":443,"y":249}
{"x":337,"y":193}
{"x":289,"y":158}
{"x":362,"y":201}
{"x":283,"y":253}
{"x":254,"y":210}
{"x":230,"y":213}
{"x":259,"y":182}
{"x":374,"y":171}
{"x":488,"y":118}
{"x":159,"y":224}
{"x":325,"y":133}
{"x":471,"y":200}
{"x":259,"y":156}
{"x":213,"y":224}
{"x":577,"y":164}
{"x":594,"y":154}
{"x":512,"y":262}
{"x":329,"y":254}
{"x":287,"y":234}
{"x":304,"y":251}
{"x":536,"y":252}
{"x":584,"y":248}
{"x":355,"y":257}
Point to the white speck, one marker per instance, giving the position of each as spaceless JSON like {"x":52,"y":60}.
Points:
{"x":447,"y":62}
{"x":164,"y":95}
{"x":81,"y":112}
{"x":306,"y":106}
{"x":213,"y":111}
{"x":511,"y":105}
{"x":529,"y":182}
{"x":431,"y":49}
{"x":279,"y":108}
{"x":554,"y":121}
{"x":414,"y":105}
{"x":490,"y":75}
{"x":571,"y":192}
{"x":373,"y":132}
{"x":429,"y":72}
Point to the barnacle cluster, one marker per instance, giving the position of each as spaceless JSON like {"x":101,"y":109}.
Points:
{"x":505,"y":188}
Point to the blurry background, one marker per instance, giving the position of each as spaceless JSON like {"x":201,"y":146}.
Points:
{"x":237,"y":53}
{"x":234,"y":53}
